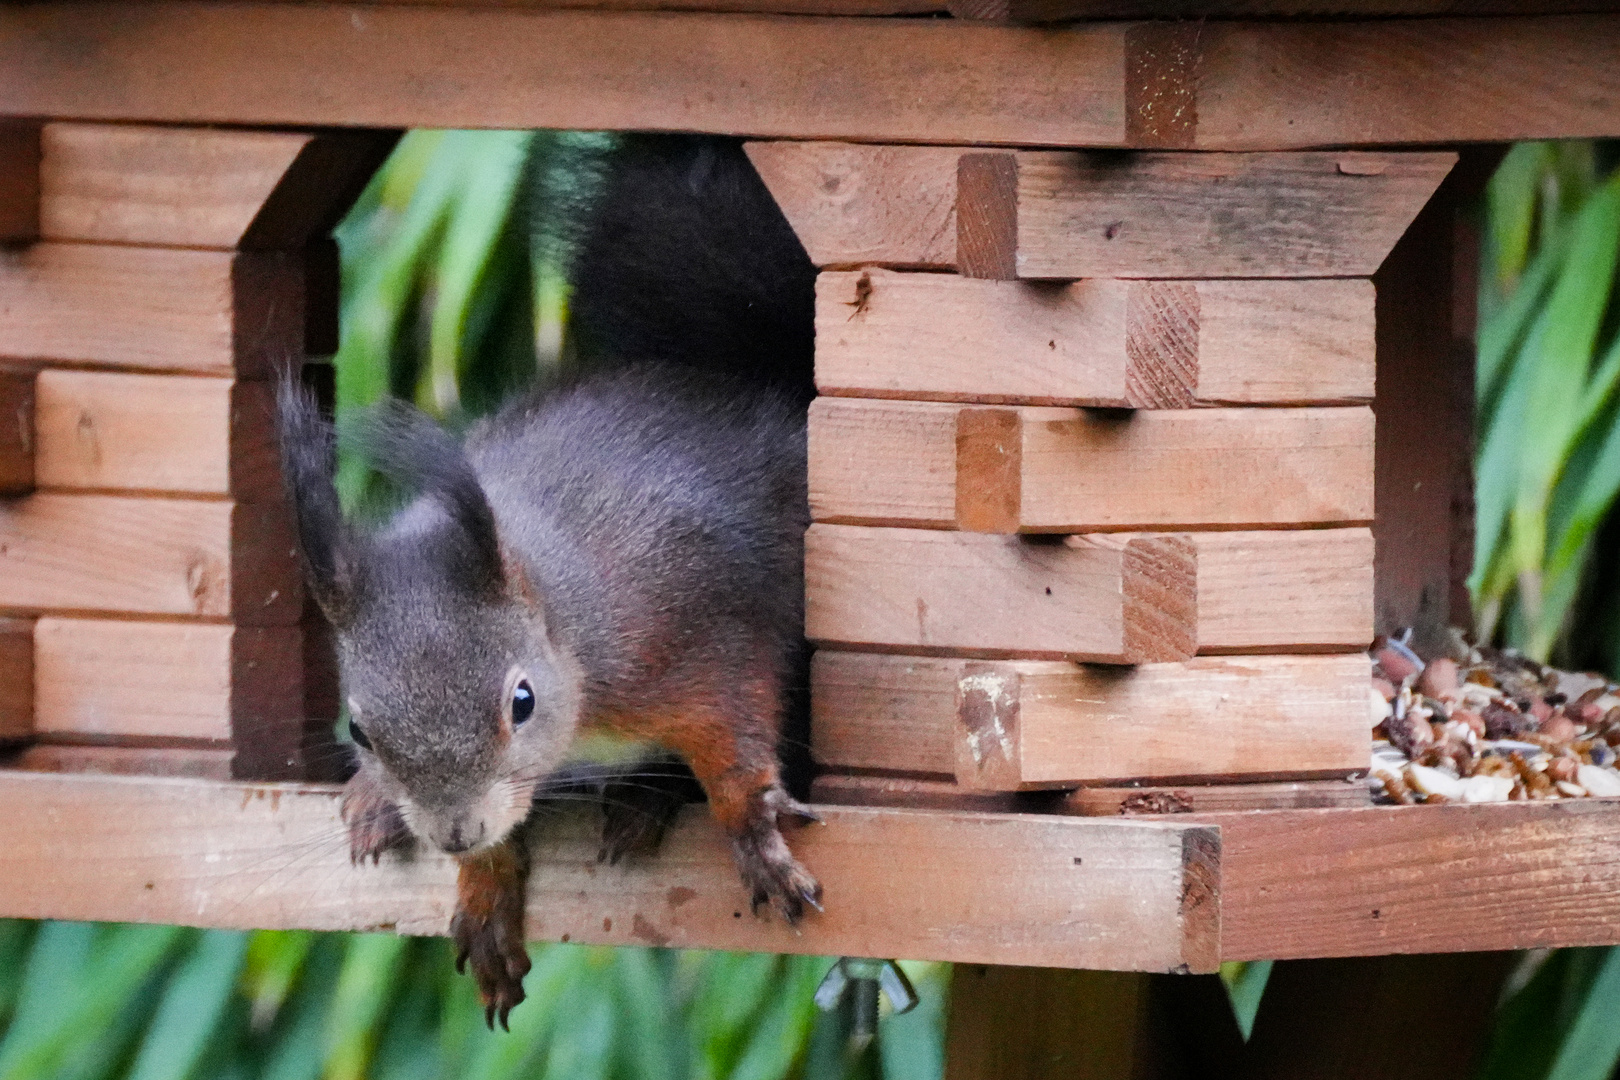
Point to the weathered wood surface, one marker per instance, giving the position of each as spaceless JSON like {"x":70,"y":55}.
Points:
{"x":19,"y":181}
{"x":113,"y":431}
{"x":1044,"y":214}
{"x":1110,"y":599}
{"x":104,"y":679}
{"x":104,"y":553}
{"x":1207,"y":798}
{"x":202,"y":763}
{"x":200,"y":188}
{"x":1424,"y":879}
{"x":977,"y":888}
{"x":1287,"y":590}
{"x":1036,"y":469}
{"x":1236,"y":86}
{"x":155,"y":309}
{"x":1142,"y":344}
{"x":16,"y":432}
{"x":1035,"y":11}
{"x":16,"y":679}
{"x":1009,"y":725}
{"x":913,"y":791}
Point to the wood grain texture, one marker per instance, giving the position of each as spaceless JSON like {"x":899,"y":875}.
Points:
{"x":1153,"y":215}
{"x":201,"y":763}
{"x":1285,"y":590}
{"x":893,"y":462}
{"x":155,"y":309}
{"x":16,"y":679}
{"x":1032,"y":1023}
{"x":973,"y":888}
{"x":901,"y":80}
{"x":1206,"y":798}
{"x":19,"y":181}
{"x":853,"y":204}
{"x":776,"y":7}
{"x":1011,"y":725}
{"x":151,"y":556}
{"x":1099,"y":342}
{"x":164,"y":433}
{"x":1429,"y":879}
{"x":110,"y":679}
{"x":1058,"y":10}
{"x":16,"y":432}
{"x":1125,"y":599}
{"x":919,"y":793}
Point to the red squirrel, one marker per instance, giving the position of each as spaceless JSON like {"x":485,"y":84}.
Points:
{"x":622,"y":555}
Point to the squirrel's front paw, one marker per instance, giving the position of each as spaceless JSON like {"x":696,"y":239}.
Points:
{"x":768,"y":868}
{"x":637,"y":809}
{"x":488,"y":927}
{"x":375,"y":823}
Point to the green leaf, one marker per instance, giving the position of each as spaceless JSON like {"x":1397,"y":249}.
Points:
{"x":1591,"y":1046}
{"x":191,"y":1007}
{"x":365,"y":988}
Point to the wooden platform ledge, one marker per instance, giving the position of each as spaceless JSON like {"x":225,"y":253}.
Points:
{"x":980,"y":888}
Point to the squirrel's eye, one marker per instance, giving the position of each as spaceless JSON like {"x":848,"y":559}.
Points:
{"x":358,"y":736}
{"x":522,"y":702}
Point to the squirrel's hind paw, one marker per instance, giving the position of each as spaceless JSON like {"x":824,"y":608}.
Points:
{"x":769,"y":869}
{"x":375,"y":824}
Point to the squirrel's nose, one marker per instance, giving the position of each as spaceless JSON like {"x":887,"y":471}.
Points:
{"x":458,"y":840}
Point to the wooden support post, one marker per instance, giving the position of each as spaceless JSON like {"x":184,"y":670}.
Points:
{"x":16,"y":680}
{"x":19,"y":182}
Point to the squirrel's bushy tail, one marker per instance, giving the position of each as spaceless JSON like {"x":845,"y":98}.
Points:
{"x":688,"y":260}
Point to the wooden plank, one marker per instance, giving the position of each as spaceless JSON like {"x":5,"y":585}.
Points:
{"x":1295,"y":590}
{"x":1010,"y":725}
{"x":1032,"y":1023}
{"x":168,"y":433}
{"x":200,"y":188}
{"x":1207,"y":798}
{"x":153,"y":309}
{"x":1043,"y":214}
{"x":104,"y":553}
{"x":1101,"y":342}
{"x":1308,"y":883}
{"x":16,"y":679}
{"x":1036,"y":469}
{"x":961,"y":887}
{"x":1111,"y":599}
{"x":853,"y":204}
{"x":16,"y":432}
{"x":775,"y":7}
{"x":917,"y":793}
{"x":19,"y":181}
{"x":901,"y":80}
{"x":202,"y":763}
{"x":1036,"y":11}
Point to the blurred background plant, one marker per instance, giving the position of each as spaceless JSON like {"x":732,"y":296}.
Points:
{"x":456,"y":262}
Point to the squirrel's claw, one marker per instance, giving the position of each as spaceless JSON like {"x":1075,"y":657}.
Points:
{"x":488,"y":928}
{"x":768,"y":868}
{"x":375,"y":823}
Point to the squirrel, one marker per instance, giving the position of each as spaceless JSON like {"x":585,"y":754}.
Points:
{"x":621,"y":555}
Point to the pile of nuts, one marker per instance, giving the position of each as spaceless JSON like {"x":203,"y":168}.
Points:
{"x":1490,"y":727}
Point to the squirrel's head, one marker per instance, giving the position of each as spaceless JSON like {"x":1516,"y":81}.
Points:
{"x":458,"y":695}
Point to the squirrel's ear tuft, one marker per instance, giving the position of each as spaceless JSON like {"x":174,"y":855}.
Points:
{"x":415,"y":452}
{"x":330,"y":548}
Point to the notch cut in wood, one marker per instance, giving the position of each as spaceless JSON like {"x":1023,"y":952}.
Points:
{"x":16,"y":680}
{"x":1100,"y":342}
{"x":201,"y":187}
{"x":1066,"y":215}
{"x":1023,"y":725}
{"x":150,"y":556}
{"x":1109,"y":599}
{"x":1034,"y":469}
{"x":1271,"y":591}
{"x":17,"y":449}
{"x":997,"y":888}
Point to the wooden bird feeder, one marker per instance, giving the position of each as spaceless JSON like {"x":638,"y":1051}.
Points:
{"x":1138,"y":346}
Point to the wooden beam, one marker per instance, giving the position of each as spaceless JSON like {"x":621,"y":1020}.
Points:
{"x":1309,"y":883}
{"x":1140,"y":344}
{"x":202,"y":763}
{"x":1031,"y":1023}
{"x":16,"y":433}
{"x":1011,"y":725}
{"x":962,"y":887}
{"x":1037,"y":11}
{"x":1285,"y":590}
{"x":149,"y":556}
{"x":153,"y":309}
{"x":111,"y":431}
{"x":201,"y":188}
{"x":892,"y":80}
{"x":1208,"y":798}
{"x":919,"y":793}
{"x":1109,"y":599}
{"x":1072,"y":215}
{"x":19,"y":182}
{"x":16,"y":679}
{"x":1055,"y":470}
